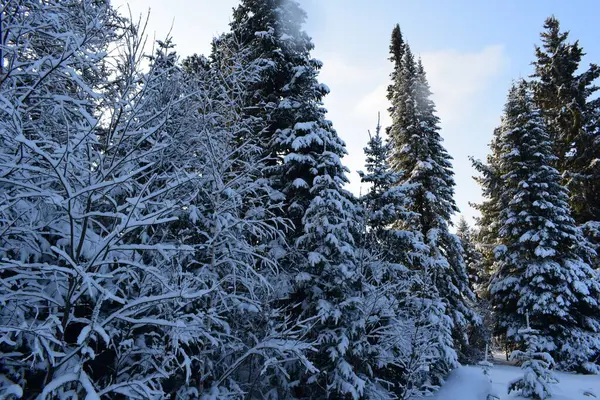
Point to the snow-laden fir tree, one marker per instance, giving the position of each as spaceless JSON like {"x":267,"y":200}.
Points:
{"x":385,"y":203}
{"x":304,"y":163}
{"x":328,"y":286}
{"x":536,"y":364}
{"x":565,"y":95}
{"x":424,"y":164}
{"x":472,"y":256}
{"x":414,"y":333}
{"x":479,"y":335}
{"x":285,"y":96}
{"x":488,"y":223}
{"x":542,"y":260}
{"x":327,"y":283}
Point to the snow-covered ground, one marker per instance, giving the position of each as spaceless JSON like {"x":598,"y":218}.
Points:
{"x":469,"y":383}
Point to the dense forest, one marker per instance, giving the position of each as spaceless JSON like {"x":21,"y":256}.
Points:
{"x":177,"y":226}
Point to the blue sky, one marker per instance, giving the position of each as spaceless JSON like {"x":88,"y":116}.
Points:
{"x":471,"y":50}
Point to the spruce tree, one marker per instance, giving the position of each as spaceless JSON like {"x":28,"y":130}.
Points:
{"x":329,"y":283}
{"x":385,"y":204}
{"x":479,"y":335}
{"x":490,"y":181}
{"x":472,"y":256}
{"x":537,"y":365}
{"x":396,"y":56}
{"x":287,"y":97}
{"x":304,"y":155}
{"x":424,"y":165}
{"x":542,"y":260}
{"x":409,"y":329}
{"x":564,"y":95}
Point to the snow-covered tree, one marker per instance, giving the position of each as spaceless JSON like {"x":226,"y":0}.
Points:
{"x":565,"y":96}
{"x":328,"y":287}
{"x":537,"y":365}
{"x":397,"y":46}
{"x":385,"y":204}
{"x":479,"y":335}
{"x":287,"y":97}
{"x":488,"y":223}
{"x":472,"y":256}
{"x":419,"y":156}
{"x":542,"y":260}
{"x":101,"y":308}
{"x":410,"y":331}
{"x":133,"y":219}
{"x":236,"y":227}
{"x":304,"y":155}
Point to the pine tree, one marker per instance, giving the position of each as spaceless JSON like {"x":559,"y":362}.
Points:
{"x":565,"y":98}
{"x":541,"y":266}
{"x":424,"y":165}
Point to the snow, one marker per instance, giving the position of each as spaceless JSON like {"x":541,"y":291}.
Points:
{"x":469,"y":383}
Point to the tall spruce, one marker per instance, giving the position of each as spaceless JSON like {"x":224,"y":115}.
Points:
{"x":424,"y":164}
{"x":564,"y":95}
{"x":396,"y":56}
{"x":287,"y":97}
{"x":407,"y":325}
{"x":542,"y":260}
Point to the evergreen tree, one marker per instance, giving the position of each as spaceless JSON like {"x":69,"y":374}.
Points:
{"x":472,"y":256}
{"x":424,"y":164}
{"x":479,"y":335}
{"x":385,"y":204}
{"x":287,"y":97}
{"x":565,"y":98}
{"x":304,"y":163}
{"x":537,"y":365}
{"x":412,"y":331}
{"x":396,"y":57}
{"x":488,"y":223}
{"x":329,"y":285}
{"x":541,"y":266}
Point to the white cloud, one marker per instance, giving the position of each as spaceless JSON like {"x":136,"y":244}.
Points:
{"x":375,"y":102}
{"x":457,"y":78}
